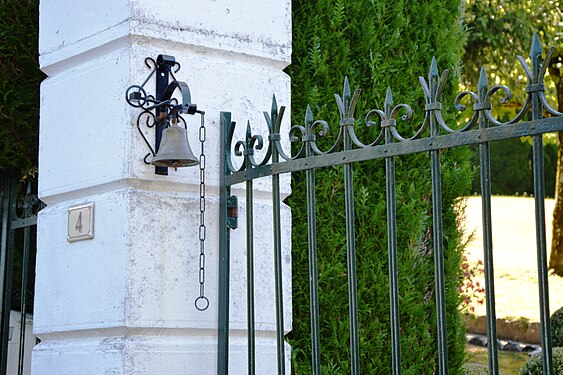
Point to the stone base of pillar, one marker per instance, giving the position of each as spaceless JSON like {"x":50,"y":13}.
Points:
{"x":166,"y":352}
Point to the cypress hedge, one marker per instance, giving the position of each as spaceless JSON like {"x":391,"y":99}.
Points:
{"x":376,"y":44}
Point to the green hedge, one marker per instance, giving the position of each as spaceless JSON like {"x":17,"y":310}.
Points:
{"x":511,"y":168}
{"x":19,"y":84}
{"x":535,"y":367}
{"x":557,"y":327}
{"x":375,"y":43}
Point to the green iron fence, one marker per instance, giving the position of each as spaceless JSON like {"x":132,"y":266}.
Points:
{"x":434,"y":135}
{"x":18,"y":220}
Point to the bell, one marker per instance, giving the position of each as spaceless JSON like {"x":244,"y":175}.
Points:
{"x":174,"y":149}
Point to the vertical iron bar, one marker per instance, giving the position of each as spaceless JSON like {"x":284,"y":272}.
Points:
{"x":485,"y":167}
{"x":8,"y":192}
{"x":224,"y":250}
{"x":351,"y":262}
{"x":312,"y":248}
{"x":23,"y":297}
{"x":250,"y":276}
{"x":539,"y":197}
{"x":439,"y":261}
{"x":437,"y":233}
{"x":392,"y":254}
{"x":485,"y":175}
{"x":4,"y":217}
{"x":162,"y":80}
{"x":278,"y":265}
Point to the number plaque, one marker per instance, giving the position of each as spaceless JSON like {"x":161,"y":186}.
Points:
{"x":81,"y":222}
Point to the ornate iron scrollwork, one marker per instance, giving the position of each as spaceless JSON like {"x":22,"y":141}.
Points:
{"x":386,"y":118}
{"x":161,"y":109}
{"x":26,"y":204}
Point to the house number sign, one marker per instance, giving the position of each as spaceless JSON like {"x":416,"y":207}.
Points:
{"x":81,"y":222}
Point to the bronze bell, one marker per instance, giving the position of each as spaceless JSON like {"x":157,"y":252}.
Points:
{"x":174,"y":150}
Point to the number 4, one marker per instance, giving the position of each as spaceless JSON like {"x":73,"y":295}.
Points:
{"x":78,"y":225}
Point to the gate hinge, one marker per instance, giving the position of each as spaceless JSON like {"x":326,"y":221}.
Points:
{"x":232,"y":212}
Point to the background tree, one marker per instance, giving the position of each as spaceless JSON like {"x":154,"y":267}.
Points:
{"x":19,"y":85}
{"x":498,"y":30}
{"x":376,"y":43}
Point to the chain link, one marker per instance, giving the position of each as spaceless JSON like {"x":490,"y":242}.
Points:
{"x":201,"y":302}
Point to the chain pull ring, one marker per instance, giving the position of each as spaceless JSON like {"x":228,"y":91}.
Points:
{"x":201,"y":302}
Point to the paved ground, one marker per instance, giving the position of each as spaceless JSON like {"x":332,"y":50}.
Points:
{"x":514,"y":254}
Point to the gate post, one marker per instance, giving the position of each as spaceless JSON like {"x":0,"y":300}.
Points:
{"x":122,"y":302}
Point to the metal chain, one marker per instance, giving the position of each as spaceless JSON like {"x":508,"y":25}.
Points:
{"x":201,"y":302}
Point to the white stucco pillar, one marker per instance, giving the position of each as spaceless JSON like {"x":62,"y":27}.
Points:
{"x":123,"y":302}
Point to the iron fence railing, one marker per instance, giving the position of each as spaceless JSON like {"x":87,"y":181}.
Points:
{"x":18,"y":210}
{"x":433,"y":135}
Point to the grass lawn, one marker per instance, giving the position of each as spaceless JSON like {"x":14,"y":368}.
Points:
{"x":515,"y":267}
{"x":510,"y":362}
{"x":514,"y":255}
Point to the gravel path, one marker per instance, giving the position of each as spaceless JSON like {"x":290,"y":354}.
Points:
{"x":514,"y":255}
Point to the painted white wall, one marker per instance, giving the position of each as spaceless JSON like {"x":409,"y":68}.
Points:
{"x":122,"y":303}
{"x":14,"y":333}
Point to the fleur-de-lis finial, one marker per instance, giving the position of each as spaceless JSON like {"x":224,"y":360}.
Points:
{"x":483,"y":83}
{"x":346,"y":92}
{"x":273,"y":119}
{"x":436,"y":84}
{"x":347,"y":103}
{"x":248,"y":132}
{"x":274,"y":111}
{"x":536,"y":48}
{"x":308,"y":118}
{"x":537,"y":70}
{"x":249,"y":149}
{"x":433,"y":73}
{"x":388,"y":104}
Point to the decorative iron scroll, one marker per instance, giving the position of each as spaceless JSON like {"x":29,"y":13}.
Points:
{"x":26,"y":205}
{"x":25,"y":208}
{"x":155,"y":111}
{"x":306,"y":135}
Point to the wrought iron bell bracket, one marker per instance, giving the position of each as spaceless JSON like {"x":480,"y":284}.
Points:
{"x":161,"y":110}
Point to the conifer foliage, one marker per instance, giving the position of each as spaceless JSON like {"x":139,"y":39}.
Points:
{"x":376,"y":43}
{"x":19,"y":84}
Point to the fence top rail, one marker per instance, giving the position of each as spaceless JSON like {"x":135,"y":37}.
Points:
{"x":432,"y":134}
{"x":523,"y":129}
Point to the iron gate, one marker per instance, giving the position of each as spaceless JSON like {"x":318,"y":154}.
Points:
{"x":433,"y":136}
{"x":18,"y":220}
